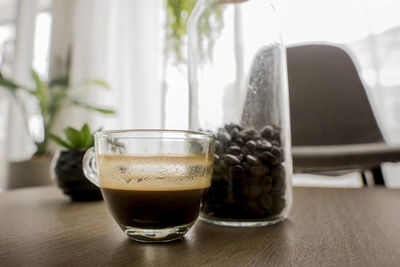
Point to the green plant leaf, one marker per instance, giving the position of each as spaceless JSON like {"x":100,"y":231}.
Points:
{"x":209,"y":27}
{"x":63,"y":82}
{"x":59,"y":141}
{"x":90,"y":107}
{"x":90,"y":143}
{"x":73,"y":137}
{"x":7,"y":83}
{"x":86,"y":136}
{"x":41,"y":92}
{"x":100,"y":83}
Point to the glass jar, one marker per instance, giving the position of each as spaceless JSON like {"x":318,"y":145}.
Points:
{"x":238,"y":90}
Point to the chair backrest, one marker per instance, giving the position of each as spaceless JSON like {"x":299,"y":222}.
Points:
{"x":328,"y":102}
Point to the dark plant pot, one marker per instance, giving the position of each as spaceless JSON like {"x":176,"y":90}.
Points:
{"x":68,"y":173}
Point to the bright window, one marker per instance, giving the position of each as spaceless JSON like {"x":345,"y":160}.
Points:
{"x":42,"y":44}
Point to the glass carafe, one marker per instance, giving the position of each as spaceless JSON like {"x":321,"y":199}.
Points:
{"x":238,"y":91}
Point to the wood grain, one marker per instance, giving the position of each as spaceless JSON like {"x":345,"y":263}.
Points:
{"x":327,"y":227}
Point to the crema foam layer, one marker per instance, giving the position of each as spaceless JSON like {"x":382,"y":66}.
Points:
{"x":155,"y":173}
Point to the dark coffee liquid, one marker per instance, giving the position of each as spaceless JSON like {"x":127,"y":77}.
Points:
{"x":154,"y":209}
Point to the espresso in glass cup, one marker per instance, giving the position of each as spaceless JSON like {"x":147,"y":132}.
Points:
{"x":153,"y":181}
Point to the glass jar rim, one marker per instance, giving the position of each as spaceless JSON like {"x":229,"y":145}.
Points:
{"x":155,"y":134}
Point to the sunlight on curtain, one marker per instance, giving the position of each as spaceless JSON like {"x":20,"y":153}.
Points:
{"x":134,"y":63}
{"x":338,"y":21}
{"x":118,"y":42}
{"x":7,"y":35}
{"x":41,"y":44}
{"x":4,"y":110}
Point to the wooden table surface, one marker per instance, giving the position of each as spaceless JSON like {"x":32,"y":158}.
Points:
{"x":327,"y":227}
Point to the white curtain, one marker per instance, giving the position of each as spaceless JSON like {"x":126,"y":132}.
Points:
{"x":19,"y":145}
{"x":120,"y":42}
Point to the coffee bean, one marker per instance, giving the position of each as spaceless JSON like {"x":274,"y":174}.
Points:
{"x":278,"y":171}
{"x":245,"y":189}
{"x":220,"y":183}
{"x":251,"y":145}
{"x":277,"y":152}
{"x":268,"y":158}
{"x":247,"y":164}
{"x":237,"y":172}
{"x":255,"y":207}
{"x":258,"y":171}
{"x":266,"y":183}
{"x":225,"y":176}
{"x":217,"y":169}
{"x":245,"y":150}
{"x":216,"y":176}
{"x":234,"y":150}
{"x":234,"y":133}
{"x":237,"y":191}
{"x":266,"y":201}
{"x":254,"y":191}
{"x":231,"y":159}
{"x":258,"y":143}
{"x":263,"y":145}
{"x":219,"y":148}
{"x":243,"y":136}
{"x":267,"y":132}
{"x":228,"y":127}
{"x":278,"y":204}
{"x":217,"y":194}
{"x":253,"y":180}
{"x":239,"y":141}
{"x":250,"y":131}
{"x":256,"y":136}
{"x":275,"y":143}
{"x":224,"y":137}
{"x":278,"y":186}
{"x":223,"y":164}
{"x":251,"y":160}
{"x":277,"y":137}
{"x":267,"y":143}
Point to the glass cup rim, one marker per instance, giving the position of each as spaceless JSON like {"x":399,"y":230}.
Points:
{"x":146,"y":134}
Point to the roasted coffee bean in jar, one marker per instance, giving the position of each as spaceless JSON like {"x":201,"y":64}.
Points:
{"x":249,"y":179}
{"x":238,"y":91}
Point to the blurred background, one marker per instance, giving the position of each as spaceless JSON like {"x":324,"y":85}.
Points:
{"x":130,"y":56}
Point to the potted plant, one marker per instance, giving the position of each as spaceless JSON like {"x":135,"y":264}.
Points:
{"x":50,"y":98}
{"x":67,"y":164}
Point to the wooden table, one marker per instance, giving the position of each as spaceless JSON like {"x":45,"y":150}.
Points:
{"x":327,"y":227}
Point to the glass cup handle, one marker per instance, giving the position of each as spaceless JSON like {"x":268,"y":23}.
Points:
{"x":90,"y":166}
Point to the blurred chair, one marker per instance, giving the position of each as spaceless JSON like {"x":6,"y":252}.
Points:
{"x":333,"y":126}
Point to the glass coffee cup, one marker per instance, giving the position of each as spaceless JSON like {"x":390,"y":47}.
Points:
{"x":153,"y":181}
